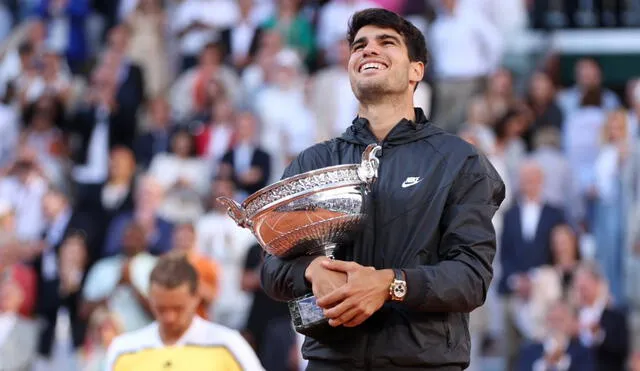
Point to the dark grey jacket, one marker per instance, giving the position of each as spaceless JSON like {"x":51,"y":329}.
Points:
{"x":438,"y":230}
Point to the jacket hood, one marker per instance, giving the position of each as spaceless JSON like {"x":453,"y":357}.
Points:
{"x":405,"y":131}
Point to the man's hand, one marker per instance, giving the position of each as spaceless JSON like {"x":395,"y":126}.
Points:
{"x":323,"y":281}
{"x":367,"y":289}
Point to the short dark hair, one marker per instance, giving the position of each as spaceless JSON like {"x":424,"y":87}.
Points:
{"x":413,"y":38}
{"x":174,"y":270}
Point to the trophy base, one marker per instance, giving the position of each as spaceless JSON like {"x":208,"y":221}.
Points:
{"x":307,"y":317}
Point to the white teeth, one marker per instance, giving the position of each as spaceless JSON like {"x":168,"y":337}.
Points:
{"x":377,"y":66}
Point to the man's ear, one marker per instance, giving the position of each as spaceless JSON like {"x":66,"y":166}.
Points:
{"x":416,"y":72}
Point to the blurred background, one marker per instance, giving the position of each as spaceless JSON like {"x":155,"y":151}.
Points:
{"x":122,"y":120}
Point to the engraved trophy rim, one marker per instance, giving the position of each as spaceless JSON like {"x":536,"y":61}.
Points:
{"x":293,"y":195}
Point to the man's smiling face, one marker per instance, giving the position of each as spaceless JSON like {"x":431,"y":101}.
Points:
{"x":379,"y":64}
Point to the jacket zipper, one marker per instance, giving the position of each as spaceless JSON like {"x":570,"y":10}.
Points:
{"x":374,"y":193}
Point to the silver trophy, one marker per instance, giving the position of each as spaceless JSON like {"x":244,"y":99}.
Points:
{"x":312,"y":213}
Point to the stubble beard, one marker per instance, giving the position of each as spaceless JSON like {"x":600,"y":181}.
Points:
{"x":371,"y":91}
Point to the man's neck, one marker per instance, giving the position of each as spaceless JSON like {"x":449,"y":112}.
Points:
{"x":383,"y":116}
{"x":172,"y":339}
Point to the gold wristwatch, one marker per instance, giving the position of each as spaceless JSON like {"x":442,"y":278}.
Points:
{"x":398,"y":288}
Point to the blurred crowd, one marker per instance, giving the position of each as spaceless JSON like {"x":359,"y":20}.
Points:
{"x":122,"y":121}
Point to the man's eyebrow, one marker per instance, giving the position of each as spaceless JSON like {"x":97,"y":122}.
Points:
{"x":385,"y":36}
{"x":380,"y":37}
{"x":359,"y":41}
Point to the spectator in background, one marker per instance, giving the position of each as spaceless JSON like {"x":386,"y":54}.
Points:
{"x":560,"y":189}
{"x":183,"y":176}
{"x":560,"y":349}
{"x":100,"y":125}
{"x":541,"y":99}
{"x":333,"y":18}
{"x":191,"y":92}
{"x":295,"y":29}
{"x":633,"y":98}
{"x":147,"y":49}
{"x":128,"y":76}
{"x":18,"y":332}
{"x":460,"y":72}
{"x":184,"y":242}
{"x":43,"y":120}
{"x":581,"y":142}
{"x":603,"y":327}
{"x":525,"y":244}
{"x":609,"y":226}
{"x":198,"y":22}
{"x":260,"y":71}
{"x":156,"y":140}
{"x":57,"y":288}
{"x":25,"y":51}
{"x":220,"y":240}
{"x":121,"y":282}
{"x":588,"y":76}
{"x":246,"y":163}
{"x":285,"y":133}
{"x":24,"y":186}
{"x":217,"y":136}
{"x":509,"y":146}
{"x":333,"y":112}
{"x":65,"y":21}
{"x":241,"y":40}
{"x":10,"y":129}
{"x":499,"y":95}
{"x":104,"y":326}
{"x":113,"y":197}
{"x":148,"y":198}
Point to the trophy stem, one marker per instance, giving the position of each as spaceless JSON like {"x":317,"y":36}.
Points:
{"x":326,"y":249}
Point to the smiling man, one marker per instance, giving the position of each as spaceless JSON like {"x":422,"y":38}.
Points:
{"x":399,"y":298}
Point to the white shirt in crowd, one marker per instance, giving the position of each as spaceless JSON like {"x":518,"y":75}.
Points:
{"x":477,"y":45}
{"x":529,"y":218}
{"x":96,"y":169}
{"x":26,"y":200}
{"x":10,"y":133}
{"x":217,"y":14}
{"x":203,"y":344}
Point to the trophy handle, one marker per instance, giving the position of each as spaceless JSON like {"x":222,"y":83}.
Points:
{"x":235,"y":211}
{"x":368,"y":169}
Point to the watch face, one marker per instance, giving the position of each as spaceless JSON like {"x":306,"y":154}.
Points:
{"x":400,"y":289}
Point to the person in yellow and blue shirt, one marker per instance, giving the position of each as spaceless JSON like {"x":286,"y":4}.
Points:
{"x":179,"y":340}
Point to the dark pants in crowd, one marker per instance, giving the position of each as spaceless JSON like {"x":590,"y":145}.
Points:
{"x":49,"y":304}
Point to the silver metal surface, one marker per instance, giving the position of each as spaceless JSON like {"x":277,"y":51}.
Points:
{"x":309,"y":213}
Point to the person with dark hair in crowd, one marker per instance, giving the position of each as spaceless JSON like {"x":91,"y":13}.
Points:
{"x":399,"y":297}
{"x":179,"y":339}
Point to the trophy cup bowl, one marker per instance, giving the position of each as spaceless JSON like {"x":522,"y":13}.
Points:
{"x":312,"y":213}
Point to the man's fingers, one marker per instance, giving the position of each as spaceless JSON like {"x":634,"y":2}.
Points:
{"x":339,"y":310}
{"x":346,"y":317}
{"x":340,"y":266}
{"x":333,"y":297}
{"x":356,"y":321}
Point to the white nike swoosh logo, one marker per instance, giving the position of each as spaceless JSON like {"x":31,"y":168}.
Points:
{"x":409,"y":183}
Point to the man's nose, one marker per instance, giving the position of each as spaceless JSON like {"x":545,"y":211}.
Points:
{"x":370,"y":49}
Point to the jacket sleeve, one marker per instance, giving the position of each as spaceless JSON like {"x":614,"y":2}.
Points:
{"x":459,"y":282}
{"x":282,"y":279}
